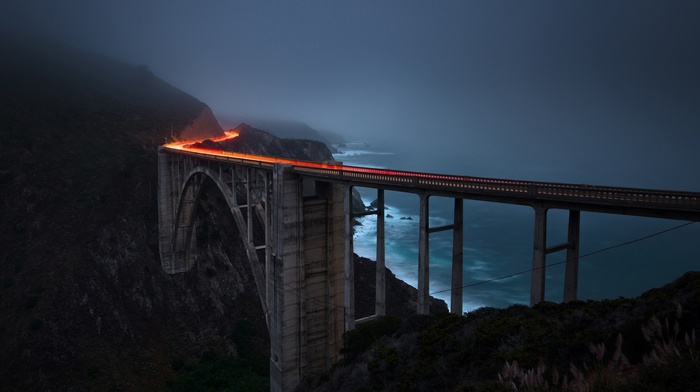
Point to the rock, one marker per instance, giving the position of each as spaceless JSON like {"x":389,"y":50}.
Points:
{"x":255,"y":141}
{"x":401,"y":298}
{"x":358,"y":206}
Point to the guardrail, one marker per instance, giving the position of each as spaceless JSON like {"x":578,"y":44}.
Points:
{"x":412,"y":181}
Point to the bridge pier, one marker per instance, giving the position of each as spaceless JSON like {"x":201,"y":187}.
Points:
{"x":306,"y":327}
{"x":571,"y":274}
{"x":540,"y":252}
{"x":457,"y":283}
{"x":423,"y":300}
{"x":349,"y":275}
{"x":380,"y":263}
{"x":380,"y":281}
{"x":539,"y":256}
{"x":456,"y":298}
{"x":424,"y":255}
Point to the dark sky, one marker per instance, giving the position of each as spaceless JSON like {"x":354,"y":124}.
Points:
{"x":603,"y":92}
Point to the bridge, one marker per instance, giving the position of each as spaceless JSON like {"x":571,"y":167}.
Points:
{"x":295,"y":219}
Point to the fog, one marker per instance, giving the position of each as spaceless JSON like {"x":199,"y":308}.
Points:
{"x":603,"y":92}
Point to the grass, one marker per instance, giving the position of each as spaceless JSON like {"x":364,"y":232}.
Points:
{"x":577,"y":346}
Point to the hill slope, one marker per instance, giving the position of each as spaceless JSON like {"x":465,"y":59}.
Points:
{"x":85,"y":304}
{"x":555,"y":347}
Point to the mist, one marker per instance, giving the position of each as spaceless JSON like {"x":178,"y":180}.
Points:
{"x":597,"y":92}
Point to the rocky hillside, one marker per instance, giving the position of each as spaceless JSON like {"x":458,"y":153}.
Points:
{"x":647,"y":343}
{"x":254,"y":141}
{"x":84,"y":302}
{"x":283,"y":129}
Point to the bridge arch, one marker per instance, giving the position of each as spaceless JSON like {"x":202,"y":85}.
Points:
{"x":301,"y":282}
{"x":190,"y":193}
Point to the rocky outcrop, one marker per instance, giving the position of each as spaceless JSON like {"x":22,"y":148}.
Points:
{"x":401,"y":298}
{"x":255,"y":141}
{"x":282,"y":129}
{"x":204,"y":126}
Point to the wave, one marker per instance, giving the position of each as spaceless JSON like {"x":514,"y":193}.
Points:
{"x":401,"y":254}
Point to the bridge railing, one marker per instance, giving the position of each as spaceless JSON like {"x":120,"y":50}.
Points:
{"x":532,"y":190}
{"x":529,"y":189}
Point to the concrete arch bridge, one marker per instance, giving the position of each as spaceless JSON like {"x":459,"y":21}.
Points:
{"x":303,"y":266}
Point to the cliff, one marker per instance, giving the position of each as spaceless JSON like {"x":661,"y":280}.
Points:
{"x":254,"y":141}
{"x":283,"y":129}
{"x":84,"y":302}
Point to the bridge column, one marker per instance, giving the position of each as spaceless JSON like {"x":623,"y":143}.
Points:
{"x":539,"y":256}
{"x":349,"y":261}
{"x":380,"y":302}
{"x":571,"y":274}
{"x":307,"y":277}
{"x":166,"y":208}
{"x":286,"y":276}
{"x":423,"y":257}
{"x":457,"y":258}
{"x":177,"y":197}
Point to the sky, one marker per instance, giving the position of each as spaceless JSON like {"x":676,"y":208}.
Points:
{"x":603,"y":92}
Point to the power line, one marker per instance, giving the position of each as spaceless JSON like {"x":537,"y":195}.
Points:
{"x":646,"y":237}
{"x":639,"y":239}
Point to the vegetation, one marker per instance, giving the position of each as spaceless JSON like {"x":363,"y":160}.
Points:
{"x":643,"y":344}
{"x":86,"y":305}
{"x":247,"y":372}
{"x":221,"y":374}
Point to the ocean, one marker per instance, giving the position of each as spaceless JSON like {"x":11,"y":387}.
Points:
{"x":620,"y":256}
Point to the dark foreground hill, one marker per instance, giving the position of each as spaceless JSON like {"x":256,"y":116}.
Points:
{"x":84,"y":303}
{"x":642,"y":344}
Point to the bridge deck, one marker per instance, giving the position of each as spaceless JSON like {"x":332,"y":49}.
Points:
{"x":613,"y":200}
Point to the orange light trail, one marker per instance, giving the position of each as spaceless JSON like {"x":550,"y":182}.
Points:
{"x":601,"y":196}
{"x":189,"y":146}
{"x":184,"y":145}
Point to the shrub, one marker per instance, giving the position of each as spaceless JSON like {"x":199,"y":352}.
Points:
{"x":36,"y":324}
{"x":30,"y":303}
{"x":362,"y":337}
{"x":215,"y":373}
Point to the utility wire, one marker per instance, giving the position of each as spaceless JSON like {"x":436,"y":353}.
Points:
{"x":646,"y":237}
{"x":639,"y":239}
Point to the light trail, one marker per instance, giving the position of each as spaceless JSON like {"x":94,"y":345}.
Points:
{"x":190,"y":146}
{"x":584,"y":197}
